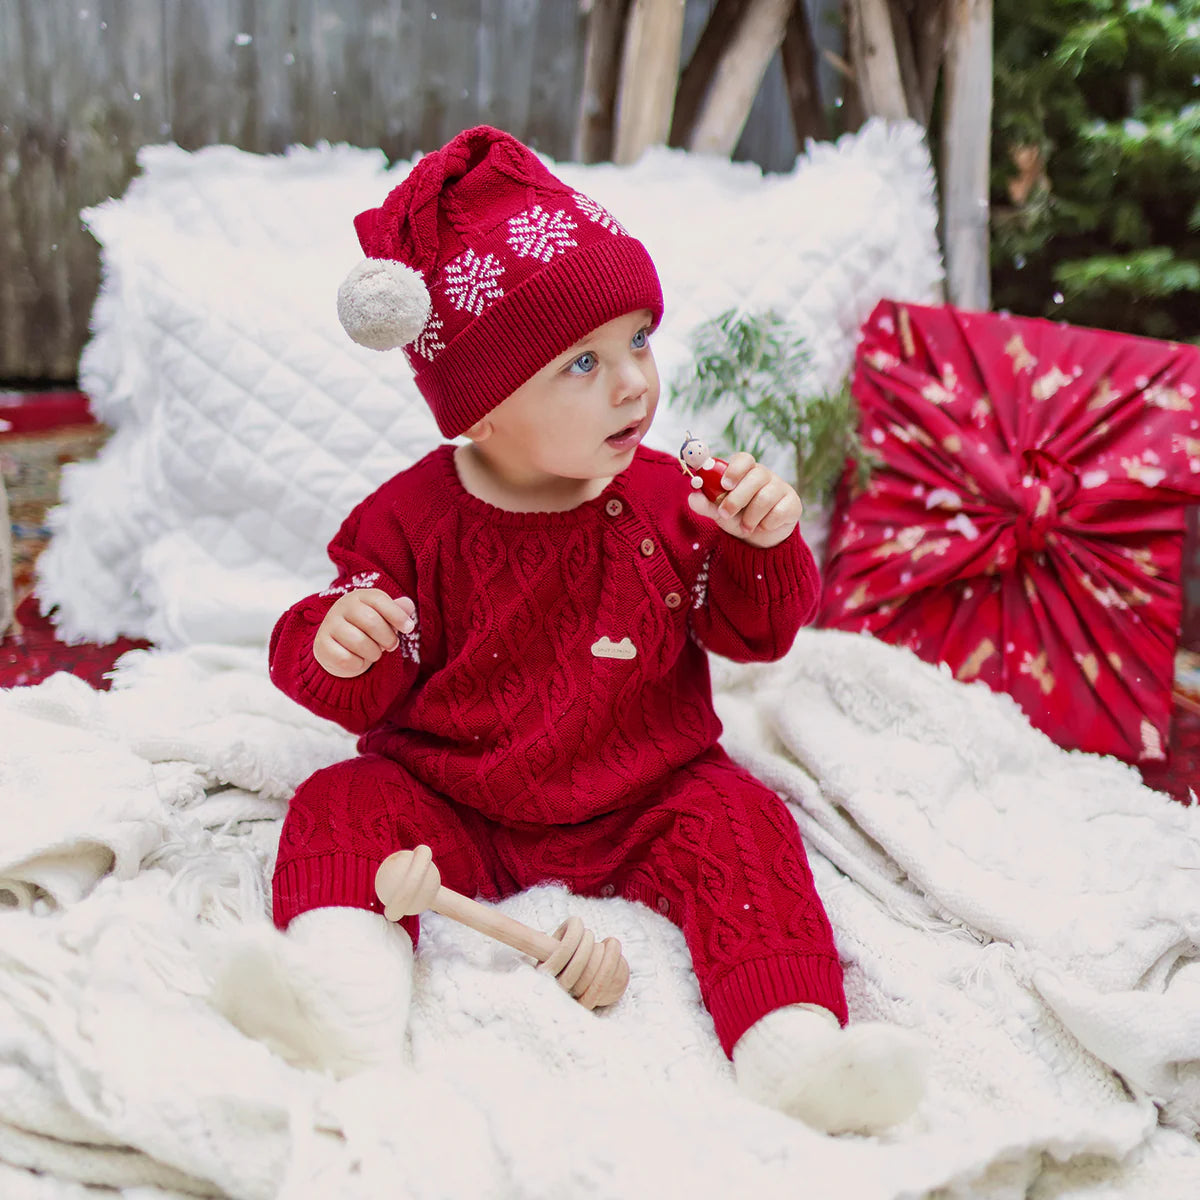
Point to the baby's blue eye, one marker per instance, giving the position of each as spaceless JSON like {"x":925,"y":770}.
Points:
{"x":584,"y":364}
{"x":640,"y":339}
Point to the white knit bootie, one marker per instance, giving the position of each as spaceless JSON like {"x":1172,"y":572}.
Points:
{"x":860,"y":1079}
{"x":332,"y":994}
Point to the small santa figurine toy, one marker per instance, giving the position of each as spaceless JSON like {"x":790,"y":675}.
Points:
{"x":706,"y":472}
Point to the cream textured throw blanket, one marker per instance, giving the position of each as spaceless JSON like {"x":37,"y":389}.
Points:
{"x":1035,"y":913}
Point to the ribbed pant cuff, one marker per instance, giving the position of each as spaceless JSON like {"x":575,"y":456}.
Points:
{"x":323,"y":881}
{"x":753,"y":989}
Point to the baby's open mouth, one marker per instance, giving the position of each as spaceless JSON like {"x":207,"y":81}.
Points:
{"x":624,"y":438}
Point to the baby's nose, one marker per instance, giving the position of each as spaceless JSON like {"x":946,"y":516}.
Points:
{"x":631,"y":384}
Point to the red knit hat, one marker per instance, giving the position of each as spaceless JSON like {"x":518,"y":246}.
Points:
{"x":484,"y":266}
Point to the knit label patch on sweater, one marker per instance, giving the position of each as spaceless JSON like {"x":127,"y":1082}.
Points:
{"x":605,"y":647}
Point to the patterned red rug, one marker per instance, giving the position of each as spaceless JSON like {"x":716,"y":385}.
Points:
{"x":31,"y":652}
{"x":40,"y":432}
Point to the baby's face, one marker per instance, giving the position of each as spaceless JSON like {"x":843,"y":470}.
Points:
{"x":584,"y":414}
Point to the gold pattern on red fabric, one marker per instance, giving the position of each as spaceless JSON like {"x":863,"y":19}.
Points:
{"x":1024,"y":523}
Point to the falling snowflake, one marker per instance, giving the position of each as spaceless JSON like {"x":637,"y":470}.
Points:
{"x":429,"y":342}
{"x":471,"y":282}
{"x":540,"y":234}
{"x":599,"y":214}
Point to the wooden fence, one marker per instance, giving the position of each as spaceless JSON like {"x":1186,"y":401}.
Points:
{"x":85,"y":83}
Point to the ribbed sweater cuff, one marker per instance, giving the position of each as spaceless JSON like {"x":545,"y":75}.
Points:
{"x":324,"y":881}
{"x":753,"y":989}
{"x":351,"y":702}
{"x":337,"y":695}
{"x":766,"y":575}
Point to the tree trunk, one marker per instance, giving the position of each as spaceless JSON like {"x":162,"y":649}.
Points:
{"x":966,"y":152}
{"x":929,"y":33}
{"x":697,"y":76}
{"x":601,"y":67}
{"x":906,"y":59}
{"x":649,"y":77}
{"x":873,"y":57}
{"x":738,"y":77}
{"x":800,"y":76}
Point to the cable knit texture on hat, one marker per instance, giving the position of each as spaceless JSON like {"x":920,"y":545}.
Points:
{"x":518,"y":267}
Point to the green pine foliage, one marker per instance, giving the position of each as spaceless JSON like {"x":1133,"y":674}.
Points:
{"x":756,"y":368}
{"x":1096,"y":163}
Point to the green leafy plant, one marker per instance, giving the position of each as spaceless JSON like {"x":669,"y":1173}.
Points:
{"x":758,"y":366}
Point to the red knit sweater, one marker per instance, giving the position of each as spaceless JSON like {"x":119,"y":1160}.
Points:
{"x":558,"y":669}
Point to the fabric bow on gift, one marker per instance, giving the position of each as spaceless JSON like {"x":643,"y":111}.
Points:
{"x":1024,"y":520}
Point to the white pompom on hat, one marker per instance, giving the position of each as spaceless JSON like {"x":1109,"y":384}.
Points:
{"x":383,"y":304}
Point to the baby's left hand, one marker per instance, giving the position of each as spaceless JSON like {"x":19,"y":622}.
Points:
{"x":761,"y":508}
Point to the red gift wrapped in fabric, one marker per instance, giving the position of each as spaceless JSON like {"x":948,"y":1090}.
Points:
{"x":1024,"y":522}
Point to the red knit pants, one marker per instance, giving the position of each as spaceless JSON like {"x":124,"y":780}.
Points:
{"x":715,"y":851}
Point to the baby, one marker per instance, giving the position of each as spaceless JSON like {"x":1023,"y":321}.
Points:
{"x":468,"y":634}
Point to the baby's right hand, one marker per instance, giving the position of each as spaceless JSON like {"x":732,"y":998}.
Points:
{"x":359,"y":628}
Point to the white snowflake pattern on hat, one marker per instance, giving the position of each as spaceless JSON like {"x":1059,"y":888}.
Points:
{"x":430,"y":342}
{"x":539,"y":234}
{"x":471,"y":283}
{"x":599,"y":214}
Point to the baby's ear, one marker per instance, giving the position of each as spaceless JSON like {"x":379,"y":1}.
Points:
{"x":480,"y":431}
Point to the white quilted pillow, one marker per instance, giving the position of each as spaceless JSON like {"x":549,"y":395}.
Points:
{"x":247,"y":424}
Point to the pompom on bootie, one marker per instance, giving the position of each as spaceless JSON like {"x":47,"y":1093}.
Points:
{"x":331,"y":995}
{"x":861,"y":1079}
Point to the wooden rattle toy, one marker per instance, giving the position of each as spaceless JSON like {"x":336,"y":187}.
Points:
{"x":595,"y":973}
{"x":706,"y":472}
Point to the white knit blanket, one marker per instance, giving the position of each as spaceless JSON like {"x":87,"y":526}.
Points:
{"x":1035,"y":913}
